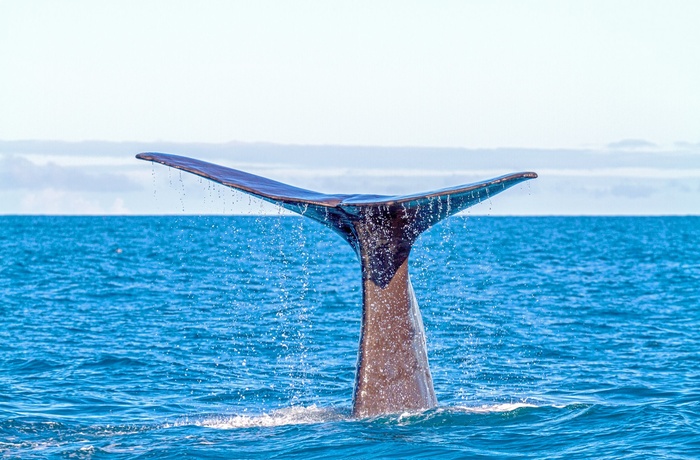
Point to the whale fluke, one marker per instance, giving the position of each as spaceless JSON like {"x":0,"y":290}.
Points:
{"x":392,"y":368}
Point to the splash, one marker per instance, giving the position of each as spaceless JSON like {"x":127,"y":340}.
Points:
{"x":295,"y":415}
{"x":309,"y":415}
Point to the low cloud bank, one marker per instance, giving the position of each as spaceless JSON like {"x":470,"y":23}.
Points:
{"x":95,"y":177}
{"x":17,"y":172}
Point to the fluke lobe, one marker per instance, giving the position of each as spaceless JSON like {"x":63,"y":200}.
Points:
{"x":392,"y":374}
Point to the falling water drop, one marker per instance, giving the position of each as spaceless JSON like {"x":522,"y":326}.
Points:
{"x":153,"y":175}
{"x":182,"y":193}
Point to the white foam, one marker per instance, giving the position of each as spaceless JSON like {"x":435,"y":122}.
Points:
{"x":301,"y":415}
{"x":296,"y":415}
{"x":483,"y":409}
{"x":495,"y":408}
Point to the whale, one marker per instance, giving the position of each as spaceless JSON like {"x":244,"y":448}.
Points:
{"x":392,"y":373}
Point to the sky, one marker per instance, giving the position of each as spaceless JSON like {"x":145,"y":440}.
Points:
{"x":599,"y":97}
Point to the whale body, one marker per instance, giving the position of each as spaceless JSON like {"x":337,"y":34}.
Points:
{"x":392,"y":373}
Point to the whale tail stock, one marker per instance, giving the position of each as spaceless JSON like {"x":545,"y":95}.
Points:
{"x":393,"y":374}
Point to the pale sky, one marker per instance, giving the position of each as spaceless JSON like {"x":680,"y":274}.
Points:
{"x":571,"y":87}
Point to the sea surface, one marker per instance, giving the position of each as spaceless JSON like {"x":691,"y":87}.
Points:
{"x":236,"y":337}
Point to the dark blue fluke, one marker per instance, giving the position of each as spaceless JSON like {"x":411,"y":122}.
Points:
{"x":393,"y":374}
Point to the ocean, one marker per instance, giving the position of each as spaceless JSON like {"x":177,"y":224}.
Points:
{"x":236,"y":337}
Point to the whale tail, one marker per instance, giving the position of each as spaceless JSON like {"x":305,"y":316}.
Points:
{"x":393,"y":374}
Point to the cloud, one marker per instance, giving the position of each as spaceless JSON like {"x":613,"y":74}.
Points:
{"x":17,"y":172}
{"x":632,"y":144}
{"x":688,"y":145}
{"x":634,"y":191}
{"x":50,"y":201}
{"x":118,"y":207}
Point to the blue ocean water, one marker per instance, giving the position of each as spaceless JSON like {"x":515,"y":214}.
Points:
{"x":236,"y":337}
